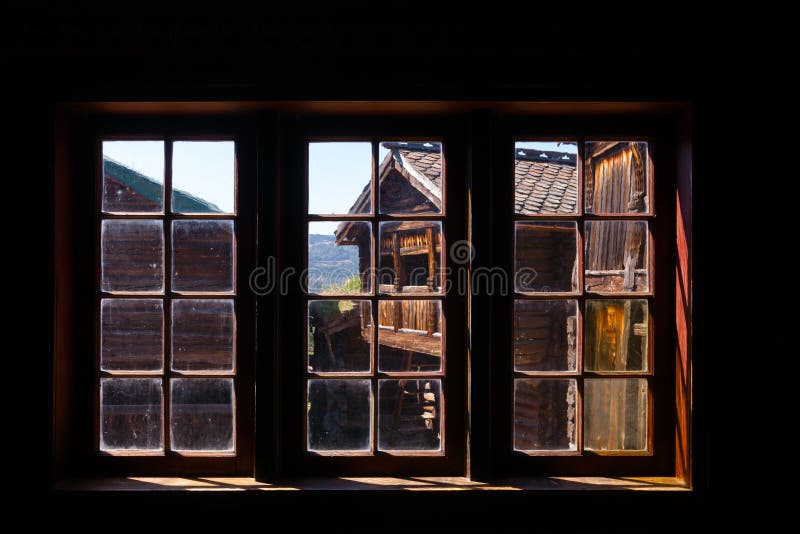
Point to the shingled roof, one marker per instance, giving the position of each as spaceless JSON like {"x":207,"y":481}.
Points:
{"x":545,"y":182}
{"x":426,"y":158}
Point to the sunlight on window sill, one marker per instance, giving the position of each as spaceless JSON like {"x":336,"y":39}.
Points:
{"x":375,"y":484}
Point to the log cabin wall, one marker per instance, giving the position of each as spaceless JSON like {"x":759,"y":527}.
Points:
{"x":550,"y":248}
{"x":616,"y":251}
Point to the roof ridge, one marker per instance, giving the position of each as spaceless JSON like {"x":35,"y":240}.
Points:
{"x":545,"y":156}
{"x":414,"y":146}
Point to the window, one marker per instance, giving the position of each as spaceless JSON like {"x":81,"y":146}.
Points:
{"x":587,"y":375}
{"x":603,"y":351}
{"x":408,"y":295}
{"x":174,"y":326}
{"x":378,"y":210}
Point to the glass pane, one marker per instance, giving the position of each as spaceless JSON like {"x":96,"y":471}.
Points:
{"x":339,"y":335}
{"x":410,"y":257}
{"x":545,"y":256}
{"x":203,"y":176}
{"x":130,"y":414}
{"x":339,"y":415}
{"x":133,"y":176}
{"x":616,"y":177}
{"x":545,"y":177}
{"x":202,"y":256}
{"x":545,"y":335}
{"x":339,"y":178}
{"x":410,"y":414}
{"x":544,"y":414}
{"x":132,"y":256}
{"x":410,"y":174}
{"x":616,"y":256}
{"x":201,"y":414}
{"x":339,"y":257}
{"x":131,"y":334}
{"x":616,"y":335}
{"x":615,"y":414}
{"x":410,"y":335}
{"x":203,"y":333}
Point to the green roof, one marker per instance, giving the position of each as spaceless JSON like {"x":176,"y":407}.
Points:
{"x":149,"y":188}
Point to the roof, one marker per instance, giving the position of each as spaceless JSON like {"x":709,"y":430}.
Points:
{"x":426,"y":158}
{"x":153,"y":190}
{"x":545,"y":182}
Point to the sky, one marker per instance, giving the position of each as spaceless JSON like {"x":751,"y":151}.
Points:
{"x":337,"y":173}
{"x":546,"y":145}
{"x":204,"y":169}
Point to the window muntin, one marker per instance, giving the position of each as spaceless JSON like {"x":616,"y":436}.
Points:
{"x":578,"y":258}
{"x":392,"y":403}
{"x":167,"y":298}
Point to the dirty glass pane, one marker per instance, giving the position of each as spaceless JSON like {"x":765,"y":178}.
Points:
{"x":130,"y":414}
{"x":545,"y":414}
{"x":131,"y":334}
{"x":202,"y":256}
{"x":132,"y":256}
{"x":616,"y":256}
{"x":339,"y":257}
{"x":545,"y":257}
{"x":545,"y":335}
{"x":339,"y":178}
{"x":339,"y":335}
{"x":339,"y":415}
{"x":616,"y":177}
{"x":411,"y":257}
{"x":410,"y":335}
{"x":201,"y":414}
{"x":203,"y":334}
{"x":410,"y":416}
{"x":133,"y":176}
{"x":615,"y":333}
{"x":410,"y":174}
{"x":545,"y":177}
{"x":615,"y":414}
{"x":203,"y":176}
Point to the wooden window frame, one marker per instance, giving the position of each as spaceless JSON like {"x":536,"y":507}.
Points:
{"x":478,"y":136}
{"x":662,"y":412}
{"x":89,"y":164}
{"x":292,"y":307}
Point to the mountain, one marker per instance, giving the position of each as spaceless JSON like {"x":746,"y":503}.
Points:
{"x":329,"y":264}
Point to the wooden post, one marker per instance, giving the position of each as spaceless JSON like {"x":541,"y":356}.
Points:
{"x":431,"y":257}
{"x":398,"y":275}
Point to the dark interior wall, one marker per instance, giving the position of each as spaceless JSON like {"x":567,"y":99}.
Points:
{"x":732,"y":65}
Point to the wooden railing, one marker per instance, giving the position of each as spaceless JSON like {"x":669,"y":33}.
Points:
{"x":421,"y":316}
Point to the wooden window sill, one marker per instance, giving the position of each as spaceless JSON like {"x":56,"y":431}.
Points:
{"x":374,"y":483}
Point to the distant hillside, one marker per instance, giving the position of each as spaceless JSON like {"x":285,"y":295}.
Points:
{"x":329,"y":264}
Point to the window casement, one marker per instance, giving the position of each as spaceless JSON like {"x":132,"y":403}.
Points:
{"x":481,"y":295}
{"x":583,"y":355}
{"x":173,"y":315}
{"x":373,"y":400}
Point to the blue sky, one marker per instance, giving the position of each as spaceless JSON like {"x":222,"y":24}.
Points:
{"x":337,"y":173}
{"x":204,"y":169}
{"x":546,"y":145}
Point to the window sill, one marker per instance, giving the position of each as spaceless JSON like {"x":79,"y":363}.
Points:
{"x":375,"y":483}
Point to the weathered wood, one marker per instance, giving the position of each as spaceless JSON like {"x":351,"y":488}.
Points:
{"x":398,"y":265}
{"x":424,"y":344}
{"x":431,"y":257}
